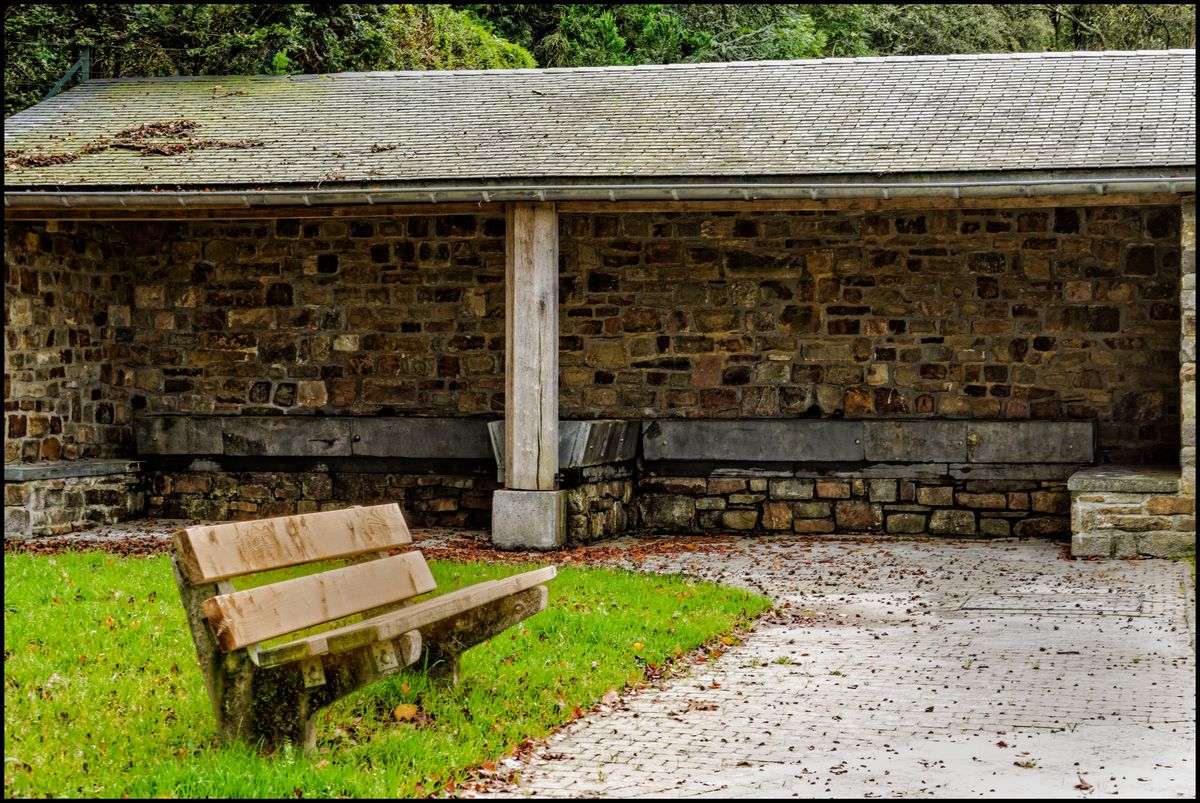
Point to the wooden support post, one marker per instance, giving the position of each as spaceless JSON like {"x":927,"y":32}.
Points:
{"x":531,"y":350}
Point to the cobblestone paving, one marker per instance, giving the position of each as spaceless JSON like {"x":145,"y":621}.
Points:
{"x":911,"y":669}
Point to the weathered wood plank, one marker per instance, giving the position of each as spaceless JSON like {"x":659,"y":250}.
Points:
{"x":219,"y":551}
{"x":531,"y":347}
{"x":416,"y":616}
{"x":257,"y":614}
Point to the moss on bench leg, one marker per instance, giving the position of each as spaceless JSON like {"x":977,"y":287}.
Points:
{"x":446,"y":640}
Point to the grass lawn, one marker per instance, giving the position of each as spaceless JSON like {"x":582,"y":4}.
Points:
{"x":103,"y":696}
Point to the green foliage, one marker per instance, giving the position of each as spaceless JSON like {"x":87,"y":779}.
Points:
{"x":42,"y":40}
{"x":437,"y":37}
{"x":922,"y":29}
{"x":103,"y":696}
{"x":1123,"y":26}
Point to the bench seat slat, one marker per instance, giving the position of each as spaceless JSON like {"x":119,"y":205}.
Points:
{"x":217,"y":552}
{"x":258,"y":614}
{"x":392,"y":624}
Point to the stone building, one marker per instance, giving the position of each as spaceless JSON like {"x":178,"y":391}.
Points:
{"x":945,"y":295}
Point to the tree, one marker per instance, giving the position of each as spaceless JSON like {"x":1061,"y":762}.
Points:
{"x":1122,"y":26}
{"x":934,"y":29}
{"x":42,"y":41}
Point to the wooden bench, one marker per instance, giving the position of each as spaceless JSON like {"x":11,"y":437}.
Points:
{"x":272,"y":692}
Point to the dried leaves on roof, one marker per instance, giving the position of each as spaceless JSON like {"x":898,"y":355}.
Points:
{"x":130,"y":139}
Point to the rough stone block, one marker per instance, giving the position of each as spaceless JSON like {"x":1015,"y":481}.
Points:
{"x":791,"y":489}
{"x":529,"y":519}
{"x":1170,"y":505}
{"x":777,"y":516}
{"x":935,"y":496}
{"x":812,"y":510}
{"x":1050,"y":501}
{"x":740,"y":519}
{"x":884,"y":490}
{"x":668,"y":512}
{"x":1167,"y":544}
{"x":958,"y":522}
{"x":723,"y":486}
{"x":1091,"y":545}
{"x":995,"y":527}
{"x":1043,"y":527}
{"x":858,"y":516}
{"x":993,"y":501}
{"x":906,"y":523}
{"x":833,"y":489}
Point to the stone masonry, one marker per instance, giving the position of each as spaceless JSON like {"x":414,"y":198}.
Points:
{"x":56,"y":499}
{"x":1068,"y":313}
{"x":207,"y":492}
{"x":989,"y":508}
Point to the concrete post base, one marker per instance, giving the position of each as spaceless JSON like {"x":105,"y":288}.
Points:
{"x":529,"y":519}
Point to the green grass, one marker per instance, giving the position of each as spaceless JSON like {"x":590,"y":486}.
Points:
{"x":103,"y":696}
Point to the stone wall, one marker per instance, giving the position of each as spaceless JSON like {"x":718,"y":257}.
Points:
{"x":211,"y":492}
{"x":848,"y":505}
{"x":67,"y":298}
{"x":600,"y":503}
{"x":53,"y":499}
{"x":1004,"y":314}
{"x":1041,"y":313}
{"x":1121,"y":513}
{"x":1187,"y":348}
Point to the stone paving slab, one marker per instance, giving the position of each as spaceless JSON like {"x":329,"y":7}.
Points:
{"x":888,"y":674}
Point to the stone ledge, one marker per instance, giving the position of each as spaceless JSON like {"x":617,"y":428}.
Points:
{"x":312,"y":436}
{"x":26,"y":472}
{"x":1126,"y":479}
{"x":968,"y":442}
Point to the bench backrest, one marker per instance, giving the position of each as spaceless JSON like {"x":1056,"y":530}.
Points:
{"x":211,"y":553}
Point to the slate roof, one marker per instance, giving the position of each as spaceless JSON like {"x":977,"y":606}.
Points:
{"x":816,"y":118}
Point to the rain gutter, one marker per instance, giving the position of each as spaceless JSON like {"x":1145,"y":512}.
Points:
{"x":676,"y":191}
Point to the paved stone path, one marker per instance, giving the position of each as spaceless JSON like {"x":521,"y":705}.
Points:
{"x":911,"y":669}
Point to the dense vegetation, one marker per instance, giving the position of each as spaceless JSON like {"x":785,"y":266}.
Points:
{"x":43,"y":40}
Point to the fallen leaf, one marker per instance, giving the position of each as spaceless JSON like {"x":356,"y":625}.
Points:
{"x":1084,"y":785}
{"x":405,"y":712}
